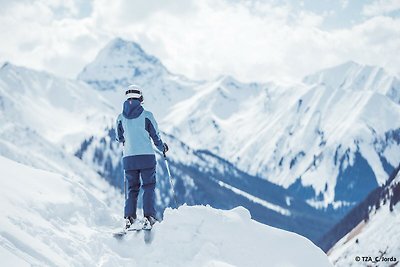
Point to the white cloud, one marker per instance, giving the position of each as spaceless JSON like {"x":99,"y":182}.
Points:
{"x":380,"y":7}
{"x":344,"y":3}
{"x":251,"y":40}
{"x":374,"y":42}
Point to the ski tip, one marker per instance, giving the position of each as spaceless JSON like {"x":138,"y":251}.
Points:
{"x":119,"y":235}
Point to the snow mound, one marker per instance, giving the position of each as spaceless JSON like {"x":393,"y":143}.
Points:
{"x":203,"y":236}
{"x":50,"y":220}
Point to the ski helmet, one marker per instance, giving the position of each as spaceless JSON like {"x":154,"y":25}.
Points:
{"x":134,"y":91}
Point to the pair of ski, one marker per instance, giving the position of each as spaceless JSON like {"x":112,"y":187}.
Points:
{"x":136,"y":227}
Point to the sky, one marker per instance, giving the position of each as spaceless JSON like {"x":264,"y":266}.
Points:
{"x":252,"y":40}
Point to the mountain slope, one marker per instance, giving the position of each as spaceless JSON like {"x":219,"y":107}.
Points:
{"x":305,"y":126}
{"x":64,"y":223}
{"x":312,"y":138}
{"x":353,"y":76}
{"x":200,"y":177}
{"x":46,"y":218}
{"x":371,"y":229}
{"x":62,"y":111}
{"x":27,"y":135}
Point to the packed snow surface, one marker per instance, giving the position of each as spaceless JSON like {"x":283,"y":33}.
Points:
{"x":50,"y":220}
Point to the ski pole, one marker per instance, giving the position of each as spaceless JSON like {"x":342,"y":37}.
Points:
{"x":124,"y":192}
{"x":170,"y":180}
{"x":124,"y":186}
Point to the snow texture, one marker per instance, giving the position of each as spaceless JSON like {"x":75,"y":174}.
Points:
{"x":50,"y":220}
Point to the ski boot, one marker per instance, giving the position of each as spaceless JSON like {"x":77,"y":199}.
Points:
{"x":128,"y":222}
{"x":133,"y":224}
{"x":148,"y":222}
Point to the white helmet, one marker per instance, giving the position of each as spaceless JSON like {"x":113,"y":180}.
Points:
{"x":134,"y":91}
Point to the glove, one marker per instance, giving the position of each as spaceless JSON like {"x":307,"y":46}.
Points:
{"x":166,"y":148}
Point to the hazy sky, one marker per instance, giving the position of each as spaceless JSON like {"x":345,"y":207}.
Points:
{"x":251,"y":40}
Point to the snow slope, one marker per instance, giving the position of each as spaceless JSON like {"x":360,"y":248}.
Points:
{"x":376,"y":236}
{"x":43,"y":118}
{"x":64,"y":224}
{"x":48,"y":219}
{"x":60,"y":110}
{"x":353,"y":76}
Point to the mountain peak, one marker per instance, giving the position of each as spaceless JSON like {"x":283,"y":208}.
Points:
{"x":231,"y":83}
{"x":9,"y":67}
{"x":119,"y":63}
{"x":119,"y":42}
{"x":5,"y":64}
{"x":353,"y":76}
{"x":227,"y":80}
{"x":119,"y":45}
{"x":348,"y":64}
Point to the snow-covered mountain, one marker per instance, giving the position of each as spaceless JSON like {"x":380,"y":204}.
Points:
{"x":40,"y":130}
{"x":201,"y":177}
{"x":44,"y":119}
{"x":60,"y":110}
{"x":352,"y":76}
{"x":320,"y":138}
{"x":282,"y":151}
{"x":58,"y":211}
{"x":370,"y":231}
{"x":122,"y":63}
{"x":303,"y":136}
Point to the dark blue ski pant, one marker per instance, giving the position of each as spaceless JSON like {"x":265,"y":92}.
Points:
{"x":133,"y":186}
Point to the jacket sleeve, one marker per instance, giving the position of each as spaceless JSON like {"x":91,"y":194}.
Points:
{"x":119,"y":131}
{"x":152,"y":128}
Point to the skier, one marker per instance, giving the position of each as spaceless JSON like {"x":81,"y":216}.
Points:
{"x":135,"y":126}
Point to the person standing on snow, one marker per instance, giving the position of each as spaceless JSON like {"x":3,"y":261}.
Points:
{"x":135,"y":126}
